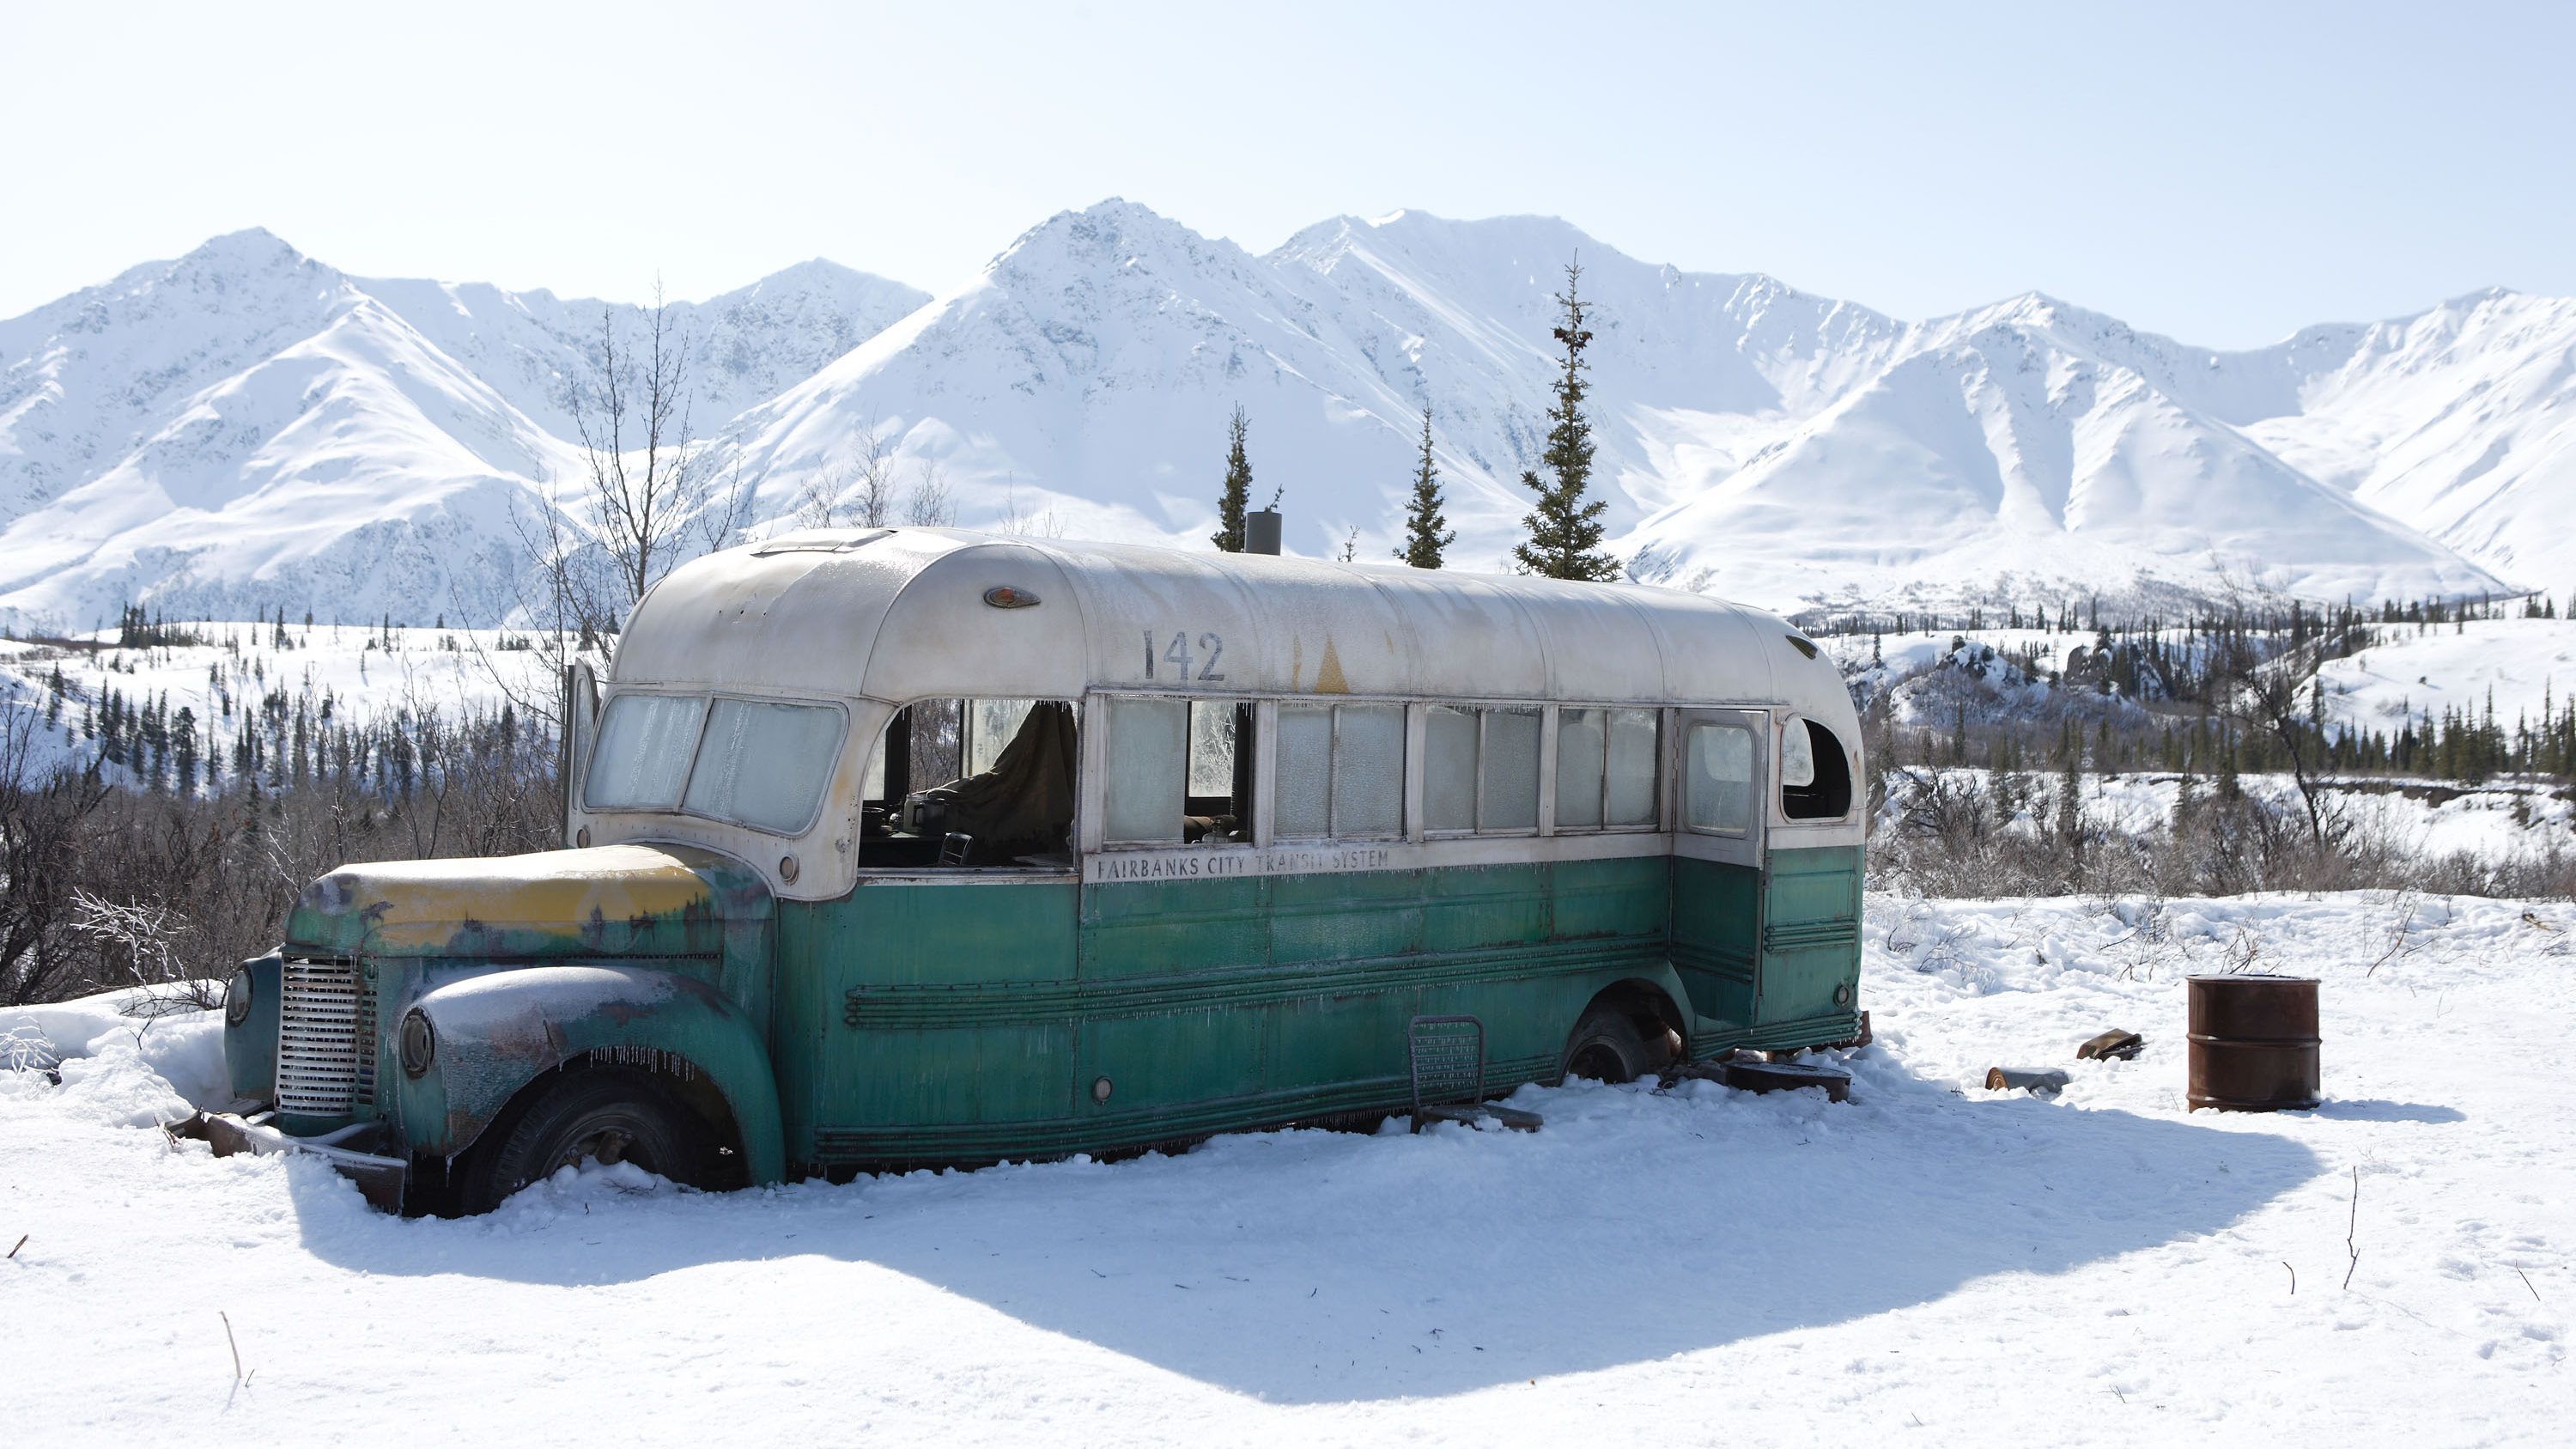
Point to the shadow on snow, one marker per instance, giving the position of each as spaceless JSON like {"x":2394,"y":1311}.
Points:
{"x":1312,"y":1266}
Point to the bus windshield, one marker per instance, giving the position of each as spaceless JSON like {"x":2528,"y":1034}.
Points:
{"x":749,"y":762}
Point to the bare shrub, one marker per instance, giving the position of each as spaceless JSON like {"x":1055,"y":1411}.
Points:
{"x":858,"y":492}
{"x":45,"y":816}
{"x":1949,"y":832}
{"x":931,"y":504}
{"x":113,"y":887}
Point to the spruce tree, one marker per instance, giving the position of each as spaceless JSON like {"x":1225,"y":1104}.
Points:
{"x":1565,"y":529}
{"x":1237,"y":494}
{"x":1424,"y":538}
{"x":183,"y":746}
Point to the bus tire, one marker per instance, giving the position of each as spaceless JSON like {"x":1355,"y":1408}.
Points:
{"x":603,"y":1113}
{"x":1606,"y":1047}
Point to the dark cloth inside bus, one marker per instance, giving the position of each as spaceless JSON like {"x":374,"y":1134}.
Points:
{"x":1024,"y":804}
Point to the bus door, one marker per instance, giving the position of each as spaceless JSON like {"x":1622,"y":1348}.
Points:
{"x":1718,"y":765}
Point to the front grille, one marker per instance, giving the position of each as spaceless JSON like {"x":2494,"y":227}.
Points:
{"x":325,"y":1040}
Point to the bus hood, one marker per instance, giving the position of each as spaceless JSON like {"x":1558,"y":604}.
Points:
{"x":610,"y":900}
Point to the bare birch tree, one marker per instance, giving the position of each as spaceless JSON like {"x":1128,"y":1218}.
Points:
{"x":648,"y":498}
{"x":932,"y":504}
{"x":649,"y":486}
{"x":726,"y":508}
{"x":1018,"y":522}
{"x":858,"y":492}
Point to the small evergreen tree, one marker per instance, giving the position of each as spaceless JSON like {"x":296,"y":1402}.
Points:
{"x":183,"y":746}
{"x":1565,"y":528}
{"x":2070,"y":815}
{"x":1424,"y":538}
{"x":1237,"y":493}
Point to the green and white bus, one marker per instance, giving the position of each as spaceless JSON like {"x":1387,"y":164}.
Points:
{"x":892,"y":847}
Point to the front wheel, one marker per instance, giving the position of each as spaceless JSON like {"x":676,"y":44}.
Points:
{"x":610,"y":1116}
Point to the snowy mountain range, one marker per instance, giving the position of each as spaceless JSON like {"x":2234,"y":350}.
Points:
{"x":247,"y":428}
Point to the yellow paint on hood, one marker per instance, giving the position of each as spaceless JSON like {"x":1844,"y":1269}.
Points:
{"x":410,"y":907}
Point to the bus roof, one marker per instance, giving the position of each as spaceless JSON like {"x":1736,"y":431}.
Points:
{"x":899,"y":614}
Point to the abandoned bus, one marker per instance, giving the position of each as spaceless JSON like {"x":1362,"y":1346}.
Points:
{"x":911,"y":846}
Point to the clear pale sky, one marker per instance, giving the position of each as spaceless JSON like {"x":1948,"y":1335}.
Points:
{"x":2224,"y":173}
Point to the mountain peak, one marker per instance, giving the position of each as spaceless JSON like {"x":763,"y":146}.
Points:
{"x":1116,"y":234}
{"x":1518,"y":246}
{"x":809,"y":268}
{"x":2483,"y":296}
{"x":819,"y":274}
{"x":2032,"y":306}
{"x":252,"y":246}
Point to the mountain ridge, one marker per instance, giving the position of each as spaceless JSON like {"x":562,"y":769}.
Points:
{"x":237,"y":427}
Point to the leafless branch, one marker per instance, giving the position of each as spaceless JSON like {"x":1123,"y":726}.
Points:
{"x":857,"y":491}
{"x":931,"y":503}
{"x":650,"y":491}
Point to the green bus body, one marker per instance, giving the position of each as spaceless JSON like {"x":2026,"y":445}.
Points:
{"x":840,"y":995}
{"x":981,"y":1028}
{"x":915,"y":1023}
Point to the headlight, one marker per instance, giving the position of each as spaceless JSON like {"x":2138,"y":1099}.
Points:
{"x":419,"y":1044}
{"x":237,"y":998}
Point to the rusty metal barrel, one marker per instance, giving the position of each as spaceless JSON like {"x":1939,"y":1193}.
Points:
{"x":2254,"y":1043}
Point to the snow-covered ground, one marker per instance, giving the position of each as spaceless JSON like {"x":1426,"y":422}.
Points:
{"x":2424,"y":818}
{"x":2429,"y":818}
{"x":2525,"y":668}
{"x":1928,"y":1263}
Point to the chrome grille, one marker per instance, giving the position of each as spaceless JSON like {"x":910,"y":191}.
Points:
{"x":325,"y":1040}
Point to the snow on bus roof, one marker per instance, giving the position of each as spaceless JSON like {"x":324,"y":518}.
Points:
{"x":902,"y":613}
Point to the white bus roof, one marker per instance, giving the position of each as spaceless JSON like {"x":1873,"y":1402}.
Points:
{"x":901,"y":614}
{"x":879,"y":618}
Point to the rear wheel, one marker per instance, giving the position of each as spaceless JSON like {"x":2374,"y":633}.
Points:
{"x":610,"y":1116}
{"x":1607,"y":1047}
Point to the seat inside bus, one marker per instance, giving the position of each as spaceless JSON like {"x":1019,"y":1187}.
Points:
{"x":1018,"y":811}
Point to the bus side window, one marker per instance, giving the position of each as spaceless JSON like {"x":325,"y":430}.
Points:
{"x":1449,"y":768}
{"x":1480,"y":768}
{"x":991,"y":725}
{"x":1815,"y":775}
{"x":1636,"y":745}
{"x":1219,"y":807}
{"x":1507,"y":770}
{"x":937,"y":747}
{"x":1301,"y":804}
{"x":1340,"y":772}
{"x":1582,"y":752}
{"x":1605,"y":769}
{"x":1146,"y":790}
{"x":1368,"y":771}
{"x":1717,"y":779}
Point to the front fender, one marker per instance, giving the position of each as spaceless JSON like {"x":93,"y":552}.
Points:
{"x":497,"y":1033}
{"x":250,"y":1049}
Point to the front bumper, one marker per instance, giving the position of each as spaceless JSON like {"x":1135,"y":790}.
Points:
{"x":380,"y":1179}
